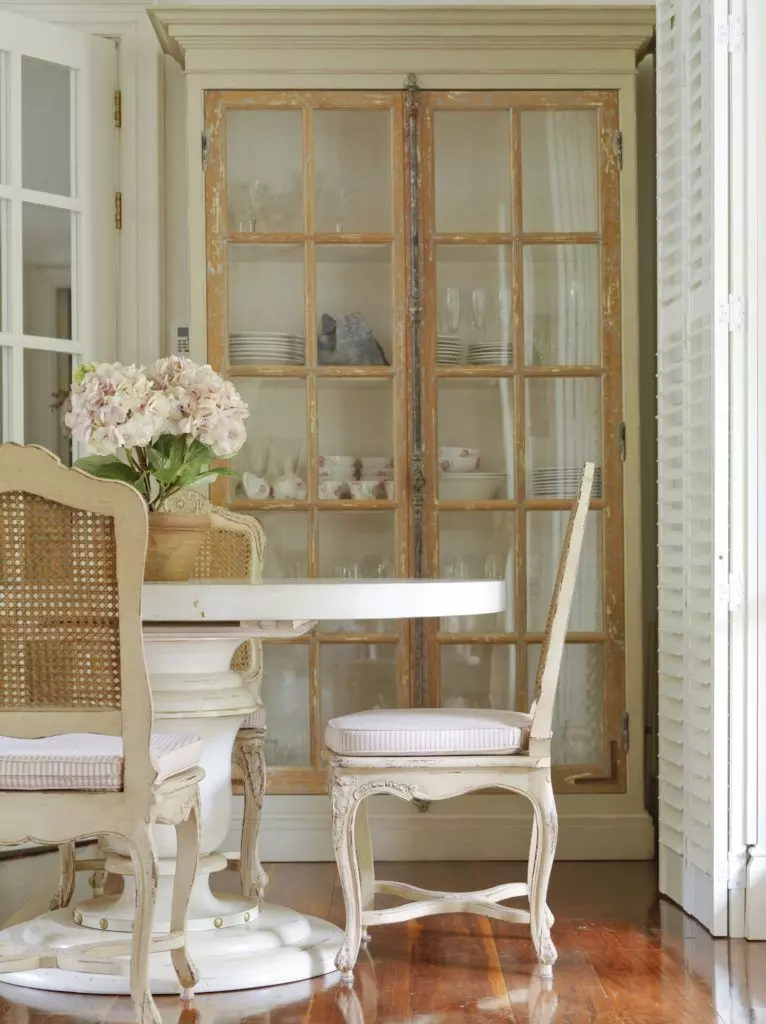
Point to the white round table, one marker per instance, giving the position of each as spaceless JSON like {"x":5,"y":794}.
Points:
{"x":192,"y":630}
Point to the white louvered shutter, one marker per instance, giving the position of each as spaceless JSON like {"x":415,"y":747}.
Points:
{"x":693,"y":440}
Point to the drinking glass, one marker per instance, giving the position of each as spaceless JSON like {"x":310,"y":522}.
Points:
{"x":453,"y":309}
{"x":479,"y":309}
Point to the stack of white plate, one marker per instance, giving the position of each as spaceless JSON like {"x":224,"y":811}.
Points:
{"x":490,"y":354}
{"x":449,"y":351}
{"x":255,"y":347}
{"x":561,"y":482}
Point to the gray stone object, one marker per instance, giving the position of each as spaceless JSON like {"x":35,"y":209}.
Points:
{"x":327,"y":339}
{"x":355,"y":344}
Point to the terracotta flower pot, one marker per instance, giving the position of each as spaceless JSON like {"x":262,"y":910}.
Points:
{"x":174,"y":543}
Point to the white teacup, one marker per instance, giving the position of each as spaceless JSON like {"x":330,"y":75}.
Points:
{"x":367,"y":490}
{"x":334,"y":490}
{"x":289,"y":488}
{"x":255,"y":487}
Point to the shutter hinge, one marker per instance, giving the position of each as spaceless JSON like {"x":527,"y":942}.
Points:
{"x":204,"y":144}
{"x":731,"y":314}
{"x":117,"y":108}
{"x":118,"y":210}
{"x":731,"y":34}
{"x":623,"y":441}
{"x":626,"y":731}
{"x":617,"y":143}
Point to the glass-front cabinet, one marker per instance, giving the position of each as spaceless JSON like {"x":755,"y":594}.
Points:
{"x":418,"y":294}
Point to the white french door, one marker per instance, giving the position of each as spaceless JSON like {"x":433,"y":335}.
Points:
{"x":693,"y":455}
{"x":58,"y":245}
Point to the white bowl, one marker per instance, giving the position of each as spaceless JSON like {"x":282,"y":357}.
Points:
{"x":459,"y":460}
{"x":337,"y":467}
{"x":471,"y":486}
{"x":367,"y":490}
{"x":376,"y":462}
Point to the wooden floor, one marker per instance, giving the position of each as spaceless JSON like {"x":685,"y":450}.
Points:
{"x":624,"y":956}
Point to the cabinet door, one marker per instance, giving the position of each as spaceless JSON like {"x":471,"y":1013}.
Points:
{"x":520,"y":386}
{"x":306,"y":311}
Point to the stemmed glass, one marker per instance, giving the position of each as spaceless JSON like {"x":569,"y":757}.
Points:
{"x":479,"y":309}
{"x":453,"y":309}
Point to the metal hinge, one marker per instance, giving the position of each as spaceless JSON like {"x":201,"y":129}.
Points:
{"x":731,"y":34}
{"x":117,"y":108}
{"x":735,"y":596}
{"x":204,"y":145}
{"x":731,"y":314}
{"x":118,"y":210}
{"x":626,"y":730}
{"x":617,"y":143}
{"x":623,"y":441}
{"x":733,"y":870}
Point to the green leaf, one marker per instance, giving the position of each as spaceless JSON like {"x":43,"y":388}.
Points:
{"x":107,"y":467}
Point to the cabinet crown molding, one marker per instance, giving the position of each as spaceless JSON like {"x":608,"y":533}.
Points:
{"x":183,"y":30}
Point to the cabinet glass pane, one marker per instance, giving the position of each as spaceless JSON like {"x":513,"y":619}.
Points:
{"x":264,"y":170}
{"x":559,"y":170}
{"x":47,"y":379}
{"x":356,"y":439}
{"x":356,"y":545}
{"x":476,"y":453}
{"x":352,"y":168}
{"x":272,"y":462}
{"x":562,"y":305}
{"x":563,"y":421}
{"x":285,"y":695}
{"x":47,"y":254}
{"x":4,"y":120}
{"x":478,"y":676}
{"x":545,"y":537}
{"x":6,"y":354}
{"x":578,"y":715}
{"x":287,"y":545}
{"x":472,"y":157}
{"x":267,"y":321}
{"x":473,"y":305}
{"x":356,"y":677}
{"x":354,"y":305}
{"x":5,"y":269}
{"x":46,"y":129}
{"x":479,"y":545}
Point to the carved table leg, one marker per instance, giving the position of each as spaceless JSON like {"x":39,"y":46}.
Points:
{"x":249,"y":757}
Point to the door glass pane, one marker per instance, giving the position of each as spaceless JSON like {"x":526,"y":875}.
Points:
{"x":475,"y":439}
{"x":356,"y":677}
{"x":47,"y":379}
{"x":473,"y":305}
{"x":559,"y":170}
{"x":287,"y":545}
{"x":272,"y":462}
{"x":354,"y":305}
{"x":352,"y":167}
{"x":264,"y":170}
{"x":472,"y":156}
{"x":356,"y":440}
{"x":5,"y":358}
{"x":562,"y":305}
{"x":478,"y":676}
{"x":563,"y":422}
{"x":479,"y":545}
{"x":267,"y":320}
{"x":47,"y":252}
{"x":285,"y":695}
{"x":5,"y":269}
{"x":578,"y":715}
{"x":545,"y":537}
{"x":46,"y":128}
{"x":356,"y":545}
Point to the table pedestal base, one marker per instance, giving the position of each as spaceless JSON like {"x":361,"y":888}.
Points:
{"x":281,"y":946}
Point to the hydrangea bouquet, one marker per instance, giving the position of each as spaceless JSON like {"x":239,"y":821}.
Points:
{"x":170,"y":421}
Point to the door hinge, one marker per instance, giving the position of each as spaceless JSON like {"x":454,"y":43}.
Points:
{"x":736,"y":592}
{"x":731,"y":34}
{"x":623,"y":441}
{"x":118,"y":210}
{"x":733,"y":870}
{"x":117,"y":108}
{"x":617,"y":143}
{"x":204,"y":147}
{"x":626,"y":731}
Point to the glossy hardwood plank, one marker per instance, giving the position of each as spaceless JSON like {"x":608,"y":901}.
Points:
{"x":624,"y":958}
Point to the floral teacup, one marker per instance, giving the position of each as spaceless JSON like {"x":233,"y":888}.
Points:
{"x":289,"y":487}
{"x":334,"y":490}
{"x":255,"y":486}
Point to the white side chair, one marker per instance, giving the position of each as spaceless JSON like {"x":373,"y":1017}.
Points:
{"x":433,"y":754}
{"x":78,"y":754}
{"x":233,"y":549}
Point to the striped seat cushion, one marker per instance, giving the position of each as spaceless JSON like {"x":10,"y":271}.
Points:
{"x":87,"y":761}
{"x":409,"y":732}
